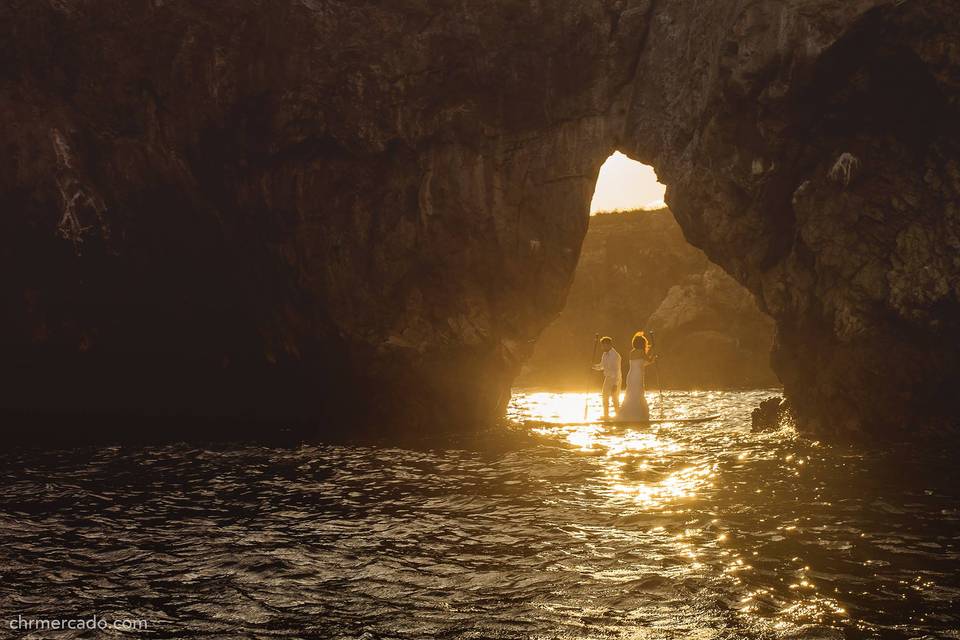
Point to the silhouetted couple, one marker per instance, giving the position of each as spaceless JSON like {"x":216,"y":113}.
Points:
{"x":634,"y":407}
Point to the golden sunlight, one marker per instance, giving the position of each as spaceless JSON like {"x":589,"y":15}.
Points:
{"x":626,"y":454}
{"x":625,"y":184}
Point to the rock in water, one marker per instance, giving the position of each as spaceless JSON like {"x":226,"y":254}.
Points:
{"x":770,"y":415}
{"x":306,"y":209}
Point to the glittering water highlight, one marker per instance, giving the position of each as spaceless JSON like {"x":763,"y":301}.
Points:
{"x":593,"y":531}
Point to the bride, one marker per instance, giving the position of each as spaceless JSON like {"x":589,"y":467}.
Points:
{"x":634,"y":406}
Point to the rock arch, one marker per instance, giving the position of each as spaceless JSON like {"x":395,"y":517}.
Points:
{"x":319,"y":208}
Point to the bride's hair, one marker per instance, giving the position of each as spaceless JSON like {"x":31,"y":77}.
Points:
{"x":640,"y":342}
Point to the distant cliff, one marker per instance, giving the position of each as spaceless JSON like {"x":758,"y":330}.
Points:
{"x":637,"y":271}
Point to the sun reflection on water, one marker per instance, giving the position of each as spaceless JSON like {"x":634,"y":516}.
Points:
{"x":582,"y":531}
{"x":628,"y":452}
{"x":662,"y":470}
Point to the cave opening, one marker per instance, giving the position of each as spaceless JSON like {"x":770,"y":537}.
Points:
{"x":637,"y":271}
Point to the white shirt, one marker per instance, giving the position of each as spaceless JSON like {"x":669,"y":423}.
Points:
{"x":610,"y":364}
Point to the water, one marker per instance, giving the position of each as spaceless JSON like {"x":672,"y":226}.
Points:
{"x":673,"y":531}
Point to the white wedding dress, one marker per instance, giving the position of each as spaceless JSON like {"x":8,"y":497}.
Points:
{"x":634,"y":406}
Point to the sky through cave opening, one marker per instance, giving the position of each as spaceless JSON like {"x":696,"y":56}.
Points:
{"x":626,"y":185}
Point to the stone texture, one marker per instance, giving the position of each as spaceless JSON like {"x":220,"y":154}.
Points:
{"x":817,"y":165}
{"x":772,"y":414}
{"x":294,"y":209}
{"x":318,"y":209}
{"x":636,"y":271}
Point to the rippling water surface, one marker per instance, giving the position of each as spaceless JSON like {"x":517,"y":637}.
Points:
{"x":671,"y":531}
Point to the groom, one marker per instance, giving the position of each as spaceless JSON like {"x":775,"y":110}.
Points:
{"x":610,"y":365}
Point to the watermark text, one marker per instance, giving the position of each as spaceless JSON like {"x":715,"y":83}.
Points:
{"x":92,"y":623}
